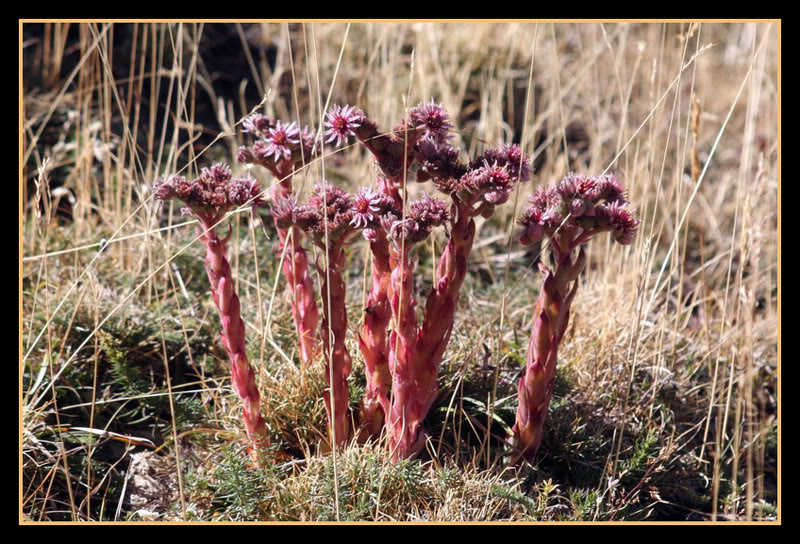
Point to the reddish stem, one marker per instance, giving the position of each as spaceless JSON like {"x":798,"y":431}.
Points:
{"x":339,"y":363}
{"x":233,"y":331}
{"x":441,"y":305}
{"x":377,"y":315}
{"x":550,"y":323}
{"x":418,"y":352}
{"x":305,"y":312}
{"x":404,"y":418}
{"x":373,"y":340}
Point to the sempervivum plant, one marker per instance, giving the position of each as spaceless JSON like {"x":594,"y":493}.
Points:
{"x":474,"y":191}
{"x":411,"y":382}
{"x":331,"y":218}
{"x":209,"y":198}
{"x":375,"y":204}
{"x":569,"y":214}
{"x":395,"y":153}
{"x":413,"y":354}
{"x":280,"y":148}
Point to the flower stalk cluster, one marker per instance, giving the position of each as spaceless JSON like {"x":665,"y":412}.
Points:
{"x":394,"y":153}
{"x":209,"y":198}
{"x":479,"y":189}
{"x":568,"y":214}
{"x":410,"y":360}
{"x":402,"y":354}
{"x":330,"y":219}
{"x":281,"y":148}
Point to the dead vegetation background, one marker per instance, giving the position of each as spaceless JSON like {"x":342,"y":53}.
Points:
{"x":666,"y":403}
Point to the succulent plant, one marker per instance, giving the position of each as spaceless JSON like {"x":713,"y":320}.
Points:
{"x":569,"y":214}
{"x":280,"y":148}
{"x":208,"y":198}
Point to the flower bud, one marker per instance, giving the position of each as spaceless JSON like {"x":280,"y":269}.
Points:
{"x":219,"y":173}
{"x":183,"y":189}
{"x":283,"y":212}
{"x":245,"y":155}
{"x":532,"y":233}
{"x":496,"y":197}
{"x":244,"y":191}
{"x":576,"y":207}
{"x":164,"y":191}
{"x":257,"y":124}
{"x":370,"y":234}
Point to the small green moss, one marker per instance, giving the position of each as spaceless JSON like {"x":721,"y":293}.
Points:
{"x":584,"y":503}
{"x":237,"y":490}
{"x":515,"y":497}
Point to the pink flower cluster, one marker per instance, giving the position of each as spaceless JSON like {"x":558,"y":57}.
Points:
{"x":214,"y":192}
{"x":278,"y":142}
{"x":423,"y":216}
{"x":589,"y":205}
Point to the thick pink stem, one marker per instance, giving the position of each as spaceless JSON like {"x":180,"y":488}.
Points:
{"x":233,"y":332}
{"x":378,"y":313}
{"x":404,"y":419}
{"x":339,"y":363}
{"x":550,"y":323}
{"x":417,"y":378}
{"x":441,"y":306}
{"x":374,"y":343}
{"x":305,"y":312}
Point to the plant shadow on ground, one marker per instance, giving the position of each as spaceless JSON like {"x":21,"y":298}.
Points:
{"x":582,"y":461}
